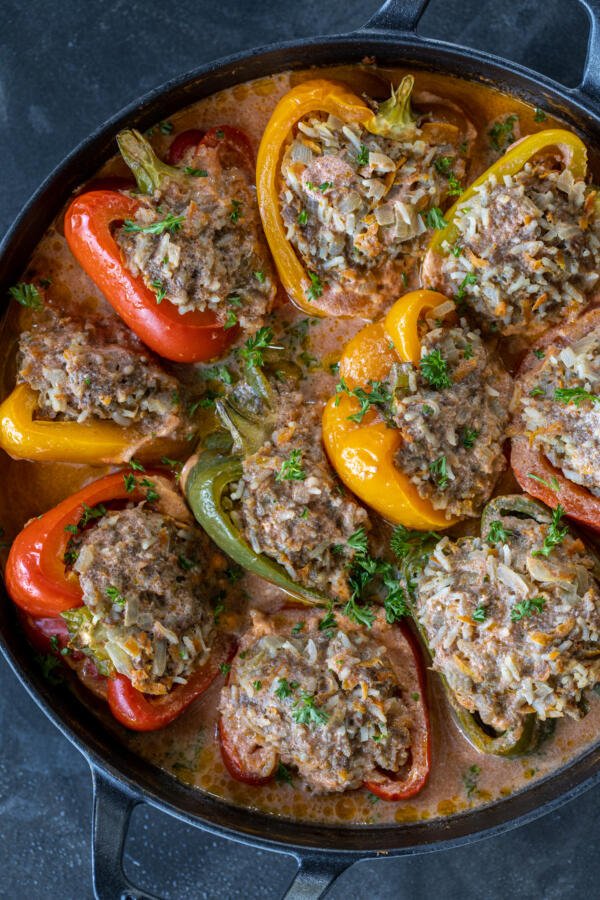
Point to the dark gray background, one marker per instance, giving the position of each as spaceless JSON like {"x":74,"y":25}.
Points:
{"x":64,"y":68}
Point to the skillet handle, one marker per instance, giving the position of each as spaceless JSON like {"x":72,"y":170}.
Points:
{"x":112,"y":811}
{"x":315,"y":875}
{"x":397,"y":15}
{"x":590,"y":84}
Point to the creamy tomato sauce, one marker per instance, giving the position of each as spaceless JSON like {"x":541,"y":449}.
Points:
{"x":460,"y":778}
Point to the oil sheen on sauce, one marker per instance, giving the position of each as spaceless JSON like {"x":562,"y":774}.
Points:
{"x":460,"y":777}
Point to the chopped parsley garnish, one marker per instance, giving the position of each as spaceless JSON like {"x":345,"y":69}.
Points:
{"x":298,"y":627}
{"x":27,"y":295}
{"x":136,"y":465}
{"x":115,"y":596}
{"x":439,"y":472}
{"x":539,"y":115}
{"x":165,"y":127}
{"x":257,"y":685}
{"x":196,"y":173}
{"x":363,"y":156}
{"x":443,"y":165}
{"x":470,"y":779}
{"x":435,"y":218}
{"x":434,"y":370}
{"x":50,"y":667}
{"x":539,"y":353}
{"x":231,"y":320}
{"x":378,"y":396}
{"x":497,"y":532}
{"x":468,"y":351}
{"x":479,"y":614}
{"x":427,"y":410}
{"x":252,"y":351}
{"x":555,"y":534}
{"x":234,"y":300}
{"x":328,"y":622}
{"x":170,"y":223}
{"x":501,"y":134}
{"x":260,"y":276}
{"x":302,"y":217}
{"x":468,"y":438}
{"x":91,"y":512}
{"x":291,"y":468}
{"x":316,"y":287}
{"x":575,"y":395}
{"x":552,"y":483}
{"x":285,"y":688}
{"x":306,"y":711}
{"x":456,"y":250}
{"x":470,"y":278}
{"x":220,"y":134}
{"x":283,"y":774}
{"x":308,"y":359}
{"x":130,"y":482}
{"x":527,"y":608}
{"x":412,"y":549}
{"x":359,"y":541}
{"x":362,"y":615}
{"x":325,"y":186}
{"x":175,"y":464}
{"x":225,"y":668}
{"x":159,"y":289}
{"x":219,"y":608}
{"x":151,"y":493}
{"x":236,"y":211}
{"x":363,"y":570}
{"x":185,"y":563}
{"x":537,"y":392}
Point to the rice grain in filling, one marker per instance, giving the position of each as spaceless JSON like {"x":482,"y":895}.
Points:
{"x":329,"y":705}
{"x":453,"y":436}
{"x":528,"y":250}
{"x":149,"y":582}
{"x":215,"y":256}
{"x":499,"y":664}
{"x":98,"y":369}
{"x":353,"y":203}
{"x":567,"y":432}
{"x":292,"y":507}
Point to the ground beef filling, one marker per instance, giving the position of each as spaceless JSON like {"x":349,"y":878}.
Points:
{"x":527,"y":251}
{"x":329,"y":705}
{"x":149,"y":583}
{"x":567,"y":430}
{"x":292,"y":507}
{"x":513,"y":633}
{"x":210,"y":254}
{"x":352,"y":202}
{"x":98,"y":370}
{"x":453,"y":436}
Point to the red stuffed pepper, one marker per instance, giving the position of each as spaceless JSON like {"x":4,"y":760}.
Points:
{"x":555,"y":448}
{"x":119,"y":575}
{"x":344,"y":706}
{"x":183,"y":261}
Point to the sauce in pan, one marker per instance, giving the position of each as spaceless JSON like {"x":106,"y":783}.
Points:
{"x":460,"y":778}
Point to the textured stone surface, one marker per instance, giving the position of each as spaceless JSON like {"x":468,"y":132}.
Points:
{"x":63,"y":69}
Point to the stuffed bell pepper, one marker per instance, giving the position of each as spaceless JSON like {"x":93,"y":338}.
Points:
{"x":555,"y":451}
{"x":520,"y":249}
{"x":182,"y":260}
{"x":119,"y":574}
{"x":346,"y":189}
{"x":417,"y":424}
{"x":344,"y":707}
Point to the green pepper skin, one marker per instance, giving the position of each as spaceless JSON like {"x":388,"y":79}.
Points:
{"x":204,"y":488}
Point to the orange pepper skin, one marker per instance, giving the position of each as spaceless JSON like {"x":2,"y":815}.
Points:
{"x":36,"y":578}
{"x":363,"y":453}
{"x":311,"y":97}
{"x":191,"y":337}
{"x":512,"y":162}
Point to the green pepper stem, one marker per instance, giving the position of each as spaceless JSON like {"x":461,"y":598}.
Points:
{"x":148,"y":169}
{"x":395,"y":117}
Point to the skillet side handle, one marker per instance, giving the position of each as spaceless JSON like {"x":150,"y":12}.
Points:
{"x":397,"y":15}
{"x":590,"y":84}
{"x":112,"y":810}
{"x":315,"y":875}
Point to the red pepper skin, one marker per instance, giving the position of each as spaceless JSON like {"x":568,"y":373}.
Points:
{"x":401,"y":788}
{"x":233,"y":145}
{"x":41,"y":631}
{"x":236,"y":766}
{"x":35,"y":576}
{"x":182,"y":143}
{"x":188,"y":338}
{"x":136,"y":711}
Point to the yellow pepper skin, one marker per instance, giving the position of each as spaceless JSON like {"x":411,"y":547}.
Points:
{"x":363,"y":453}
{"x":93,"y":443}
{"x":311,"y":97}
{"x":572,"y":148}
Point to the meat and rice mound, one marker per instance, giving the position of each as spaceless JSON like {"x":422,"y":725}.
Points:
{"x":353,"y":203}
{"x":98,"y":369}
{"x":198,"y":243}
{"x":291,"y":506}
{"x":328,"y":704}
{"x":528,"y":250}
{"x":149,"y":582}
{"x":513,"y":632}
{"x":452,"y":412}
{"x":558,"y":409}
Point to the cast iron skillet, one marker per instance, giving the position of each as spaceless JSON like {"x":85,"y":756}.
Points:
{"x":122,"y":779}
